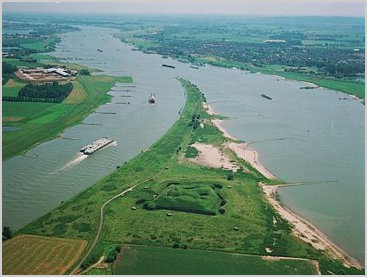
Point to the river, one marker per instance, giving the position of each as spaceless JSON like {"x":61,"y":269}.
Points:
{"x":301,"y":135}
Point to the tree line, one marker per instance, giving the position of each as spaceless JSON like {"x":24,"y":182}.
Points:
{"x":49,"y":92}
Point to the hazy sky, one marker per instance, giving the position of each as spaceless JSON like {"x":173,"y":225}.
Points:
{"x":194,"y":7}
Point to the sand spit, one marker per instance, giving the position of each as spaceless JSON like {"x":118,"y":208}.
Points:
{"x":251,"y":156}
{"x":211,"y":156}
{"x":208,"y":108}
{"x":307,"y":231}
{"x":219,"y":124}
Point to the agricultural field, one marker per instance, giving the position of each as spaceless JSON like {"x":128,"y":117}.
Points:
{"x":37,"y":255}
{"x":12,"y":87}
{"x":170,"y":261}
{"x":31,"y":118}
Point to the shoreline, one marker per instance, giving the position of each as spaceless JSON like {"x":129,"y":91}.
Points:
{"x":307,"y":231}
{"x":302,"y":228}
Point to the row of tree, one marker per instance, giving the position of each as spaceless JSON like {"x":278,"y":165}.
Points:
{"x":49,"y":92}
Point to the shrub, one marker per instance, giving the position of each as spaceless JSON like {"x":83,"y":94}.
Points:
{"x":140,"y":201}
{"x":84,"y":71}
{"x":111,"y":256}
{"x":230,"y":176}
{"x":176,"y":245}
{"x":58,"y":229}
{"x":149,"y":205}
{"x":7,"y":234}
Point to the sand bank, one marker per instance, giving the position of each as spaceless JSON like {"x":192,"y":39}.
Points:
{"x":307,"y":231}
{"x":251,"y":156}
{"x":211,"y":156}
{"x":219,"y":124}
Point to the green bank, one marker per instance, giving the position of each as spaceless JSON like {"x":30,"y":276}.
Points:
{"x":348,"y":86}
{"x":38,"y":122}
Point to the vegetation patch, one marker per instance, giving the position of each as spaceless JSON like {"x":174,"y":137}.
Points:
{"x":163,"y":260}
{"x":43,"y":121}
{"x":192,"y":198}
{"x":54,"y":93}
{"x":191,"y":152}
{"x":37,"y":255}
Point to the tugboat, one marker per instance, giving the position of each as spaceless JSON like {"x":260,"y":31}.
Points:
{"x":152,"y":99}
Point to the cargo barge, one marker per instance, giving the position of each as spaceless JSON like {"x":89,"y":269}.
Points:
{"x":167,"y":65}
{"x":265,"y":96}
{"x":97,"y":145}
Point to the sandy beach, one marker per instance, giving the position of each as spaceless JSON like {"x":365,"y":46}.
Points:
{"x":306,"y":230}
{"x":301,"y":227}
{"x":251,"y":156}
{"x":218,"y":123}
{"x":211,"y":156}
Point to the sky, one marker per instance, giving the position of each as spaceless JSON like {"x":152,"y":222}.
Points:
{"x":241,"y":7}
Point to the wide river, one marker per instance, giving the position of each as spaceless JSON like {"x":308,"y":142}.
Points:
{"x":301,"y":135}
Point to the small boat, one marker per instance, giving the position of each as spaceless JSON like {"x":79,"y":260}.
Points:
{"x":265,"y":96}
{"x":99,"y":50}
{"x":152,"y":99}
{"x":194,"y":67}
{"x":167,"y":65}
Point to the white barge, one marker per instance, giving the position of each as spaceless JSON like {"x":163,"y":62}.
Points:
{"x":97,"y":145}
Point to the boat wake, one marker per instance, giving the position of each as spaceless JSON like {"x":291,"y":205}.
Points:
{"x":76,"y":160}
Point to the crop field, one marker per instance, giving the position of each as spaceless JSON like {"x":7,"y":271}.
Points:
{"x":37,"y":255}
{"x":32,"y":117}
{"x":24,"y":110}
{"x":11,"y":88}
{"x":161,"y":260}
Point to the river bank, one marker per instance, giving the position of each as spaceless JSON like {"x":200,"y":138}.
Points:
{"x":302,"y":228}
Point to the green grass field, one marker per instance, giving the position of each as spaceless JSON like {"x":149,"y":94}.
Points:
{"x":11,"y":88}
{"x":37,"y":255}
{"x":39,"y":122}
{"x":167,"y":261}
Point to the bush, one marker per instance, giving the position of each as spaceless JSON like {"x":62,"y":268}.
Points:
{"x":7,"y":234}
{"x":58,"y":229}
{"x":230,"y":176}
{"x":82,"y":227}
{"x":140,"y":201}
{"x":222,"y":211}
{"x":218,"y":186}
{"x":149,"y":205}
{"x":111,"y":256}
{"x":84,"y":71}
{"x":176,"y":245}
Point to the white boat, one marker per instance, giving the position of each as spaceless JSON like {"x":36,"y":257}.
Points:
{"x":97,"y":145}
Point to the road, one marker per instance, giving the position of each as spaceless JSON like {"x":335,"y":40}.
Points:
{"x":98,"y":233}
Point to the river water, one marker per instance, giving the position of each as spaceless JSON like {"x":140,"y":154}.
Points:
{"x":301,"y":135}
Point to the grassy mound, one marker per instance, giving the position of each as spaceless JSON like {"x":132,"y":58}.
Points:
{"x":197,"y":198}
